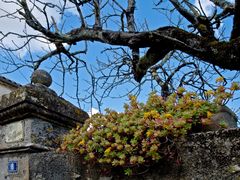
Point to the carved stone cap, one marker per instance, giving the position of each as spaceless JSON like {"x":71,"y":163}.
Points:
{"x":225,"y":109}
{"x":42,"y":77}
{"x":224,"y":115}
{"x":39,"y":101}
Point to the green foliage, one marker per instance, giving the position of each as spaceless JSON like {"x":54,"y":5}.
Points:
{"x":128,"y":172}
{"x":144,"y":133}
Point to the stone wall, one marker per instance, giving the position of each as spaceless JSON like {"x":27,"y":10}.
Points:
{"x":212,"y":155}
{"x":204,"y":156}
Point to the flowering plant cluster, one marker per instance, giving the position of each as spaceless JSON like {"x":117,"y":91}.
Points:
{"x":144,"y":133}
{"x":222,"y":94}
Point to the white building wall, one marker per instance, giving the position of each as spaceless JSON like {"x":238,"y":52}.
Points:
{"x":5,"y":89}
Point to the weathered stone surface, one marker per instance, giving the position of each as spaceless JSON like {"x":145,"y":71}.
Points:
{"x":54,"y":166}
{"x":39,"y":101}
{"x":211,"y":155}
{"x":14,"y":132}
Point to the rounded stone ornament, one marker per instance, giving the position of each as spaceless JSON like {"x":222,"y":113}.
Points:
{"x":40,"y":76}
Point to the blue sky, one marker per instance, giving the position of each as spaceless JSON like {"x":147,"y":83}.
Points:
{"x":144,"y":13}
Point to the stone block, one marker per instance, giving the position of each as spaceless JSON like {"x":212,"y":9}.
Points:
{"x":30,"y":134}
{"x":40,"y":166}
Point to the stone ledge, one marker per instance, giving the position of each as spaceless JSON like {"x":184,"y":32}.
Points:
{"x":39,"y":101}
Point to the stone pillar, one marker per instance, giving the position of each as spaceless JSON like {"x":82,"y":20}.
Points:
{"x":32,"y":121}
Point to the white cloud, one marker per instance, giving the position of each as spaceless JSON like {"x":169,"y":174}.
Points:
{"x":93,"y":111}
{"x":206,"y":5}
{"x":14,"y":24}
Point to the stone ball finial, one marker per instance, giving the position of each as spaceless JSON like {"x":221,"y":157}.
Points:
{"x":41,"y":77}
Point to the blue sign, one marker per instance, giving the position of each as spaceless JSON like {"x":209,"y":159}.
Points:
{"x":12,"y":166}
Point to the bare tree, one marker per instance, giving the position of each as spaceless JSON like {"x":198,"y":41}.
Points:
{"x":186,"y":52}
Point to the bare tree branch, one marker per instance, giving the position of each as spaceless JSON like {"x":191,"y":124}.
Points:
{"x":135,"y":53}
{"x":236,"y":21}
